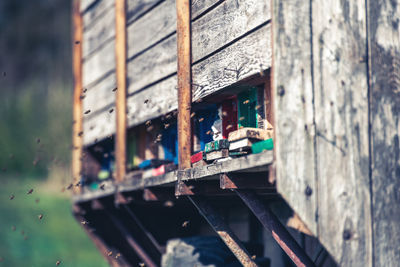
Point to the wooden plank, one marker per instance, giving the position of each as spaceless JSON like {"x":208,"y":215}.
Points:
{"x":293,"y":94}
{"x":77,"y":127}
{"x":201,"y":6}
{"x":225,"y":23}
{"x":99,"y":126}
{"x":384,"y":67}
{"x":101,"y":31}
{"x":244,"y":58}
{"x":341,"y":117}
{"x":120,"y":55}
{"x":153,"y":102}
{"x":101,"y":96}
{"x":184,"y":83}
{"x":99,"y":64}
{"x":94,"y":11}
{"x":84,"y":4}
{"x":159,"y":23}
{"x":136,"y":8}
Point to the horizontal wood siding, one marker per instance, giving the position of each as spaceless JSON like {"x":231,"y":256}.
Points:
{"x":224,"y":54}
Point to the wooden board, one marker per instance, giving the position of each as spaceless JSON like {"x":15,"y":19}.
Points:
{"x":136,"y":8}
{"x":100,"y":96}
{"x":99,"y":32}
{"x":99,"y":65}
{"x":225,"y":23}
{"x":341,"y":116}
{"x":158,"y":24}
{"x":384,"y":33}
{"x":293,"y":107}
{"x":98,"y":127}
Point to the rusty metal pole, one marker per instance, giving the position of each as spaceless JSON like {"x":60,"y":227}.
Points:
{"x":222,"y":229}
{"x":184,"y":82}
{"x":120,"y":55}
{"x":77,"y":128}
{"x":278,"y":231}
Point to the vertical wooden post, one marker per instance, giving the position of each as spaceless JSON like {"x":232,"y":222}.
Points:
{"x":184,"y":82}
{"x":77,"y":128}
{"x":120,"y":55}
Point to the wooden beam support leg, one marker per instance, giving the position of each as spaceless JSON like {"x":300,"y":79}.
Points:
{"x":278,"y":231}
{"x":77,"y":132}
{"x":148,"y":261}
{"x":120,"y":55}
{"x":223,"y":230}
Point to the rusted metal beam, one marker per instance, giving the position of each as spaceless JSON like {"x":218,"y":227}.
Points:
{"x":120,"y":108}
{"x":278,"y":231}
{"x":223,"y":230}
{"x":77,"y":127}
{"x":147,"y":260}
{"x":184,"y":82}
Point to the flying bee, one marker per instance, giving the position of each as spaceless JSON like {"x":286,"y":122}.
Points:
{"x":70,"y":186}
{"x":241,"y":118}
{"x":246,"y":102}
{"x":38,"y":140}
{"x":147,"y":123}
{"x":13,"y":228}
{"x":257,"y":107}
{"x":141,"y":264}
{"x":102,"y":186}
{"x":253,"y":257}
{"x":111,"y":111}
{"x":151,"y":127}
{"x":109,"y":253}
{"x":40,"y":216}
{"x":229,"y":126}
{"x":168,"y":203}
{"x":80,"y":133}
{"x":185,"y":224}
{"x":115,"y":89}
{"x":166,"y":125}
{"x":209,"y":132}
{"x":224,"y":114}
{"x":201,"y":119}
{"x":87,"y":112}
{"x":82,"y":97}
{"x":78,"y":184}
{"x":85,"y":90}
{"x":193,"y":114}
{"x":12,"y":197}
{"x":30,"y":191}
{"x":146,"y":101}
{"x":77,"y":42}
{"x":118,"y":255}
{"x":84,"y":222}
{"x":58,"y":263}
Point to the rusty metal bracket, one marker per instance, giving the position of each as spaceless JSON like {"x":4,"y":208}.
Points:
{"x":243,"y":181}
{"x":223,"y":230}
{"x":278,"y":231}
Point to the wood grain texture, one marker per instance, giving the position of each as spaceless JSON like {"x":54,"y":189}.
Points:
{"x":242,"y":59}
{"x":77,"y":104}
{"x":341,"y":116}
{"x":99,"y":65}
{"x":98,"y":127}
{"x":162,"y":98}
{"x":293,"y":108}
{"x":120,"y":55}
{"x":94,"y":11}
{"x":184,"y":52}
{"x":99,"y":32}
{"x":200,"y":6}
{"x":384,"y":33}
{"x":100,"y":96}
{"x":136,"y":8}
{"x":225,"y":23}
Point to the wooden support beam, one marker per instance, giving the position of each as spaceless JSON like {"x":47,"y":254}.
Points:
{"x":223,"y":230}
{"x":98,"y":242}
{"x":184,"y":82}
{"x":120,"y":55}
{"x":143,"y":255}
{"x":244,"y":181}
{"x":278,"y":231}
{"x":77,"y":128}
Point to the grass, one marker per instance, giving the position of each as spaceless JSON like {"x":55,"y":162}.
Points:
{"x":57,"y":236}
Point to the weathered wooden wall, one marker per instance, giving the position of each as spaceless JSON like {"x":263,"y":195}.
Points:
{"x":230,"y":42}
{"x":336,"y":82}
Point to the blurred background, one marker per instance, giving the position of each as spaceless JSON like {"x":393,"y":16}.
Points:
{"x":35,"y":138}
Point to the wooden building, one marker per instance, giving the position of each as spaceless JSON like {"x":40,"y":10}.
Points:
{"x":157,"y":81}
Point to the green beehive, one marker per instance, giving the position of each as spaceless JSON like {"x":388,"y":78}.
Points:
{"x":262,"y":145}
{"x":216,"y":145}
{"x":247,"y":113}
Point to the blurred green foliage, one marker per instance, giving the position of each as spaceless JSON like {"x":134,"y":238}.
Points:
{"x":35,"y":137}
